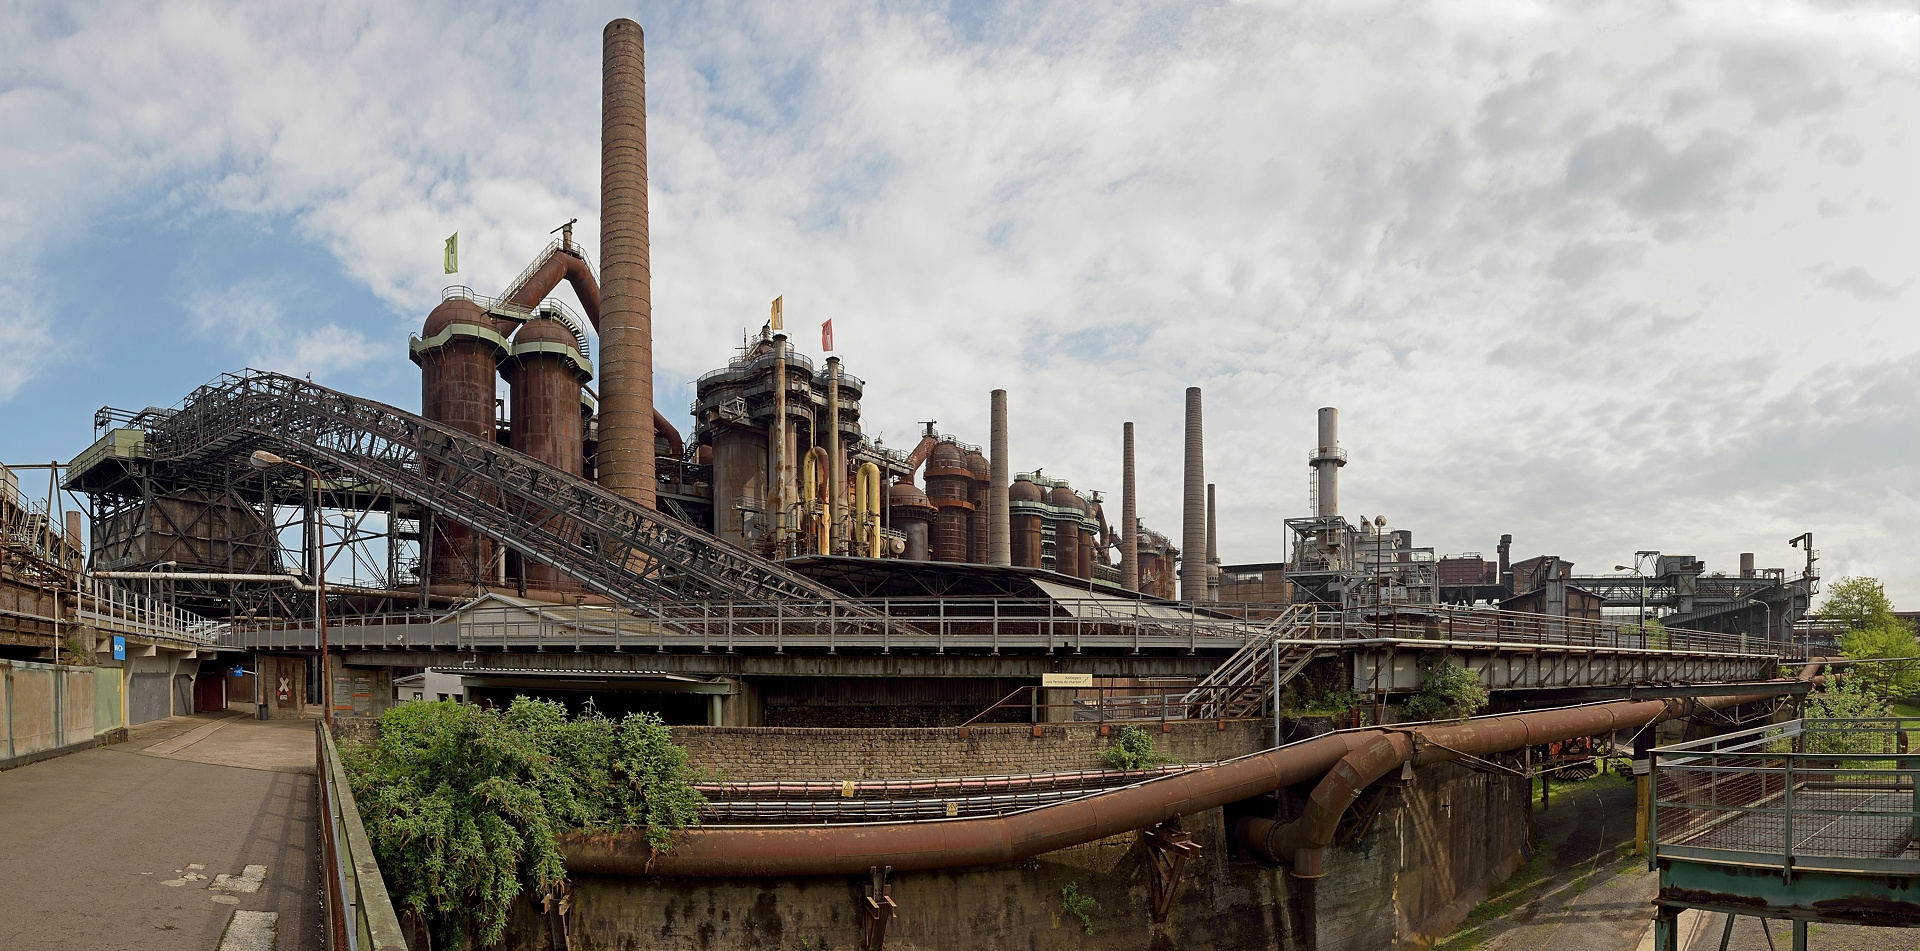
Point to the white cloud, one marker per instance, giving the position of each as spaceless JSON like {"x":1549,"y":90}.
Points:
{"x":1554,"y":267}
{"x":250,"y":318}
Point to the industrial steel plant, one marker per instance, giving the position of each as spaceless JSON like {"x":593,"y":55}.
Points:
{"x":899,"y":673}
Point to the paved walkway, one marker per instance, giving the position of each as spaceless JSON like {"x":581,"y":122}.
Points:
{"x":198,"y":834}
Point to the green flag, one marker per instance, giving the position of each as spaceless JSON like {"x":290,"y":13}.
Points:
{"x":451,"y":258}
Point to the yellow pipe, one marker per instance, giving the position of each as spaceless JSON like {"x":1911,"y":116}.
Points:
{"x":867,"y":486}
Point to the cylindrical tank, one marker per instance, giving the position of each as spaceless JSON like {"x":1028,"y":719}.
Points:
{"x":1024,"y":523}
{"x":1327,"y":461}
{"x":1066,"y":531}
{"x":458,"y":351}
{"x":980,"y":493}
{"x":739,"y":483}
{"x":1088,"y":542}
{"x":949,"y":484}
{"x":912,"y":514}
{"x":1746,"y":564}
{"x":545,"y":369}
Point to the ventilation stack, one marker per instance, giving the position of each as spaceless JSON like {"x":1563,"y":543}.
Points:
{"x":1129,"y":532}
{"x":625,"y":460}
{"x":1326,"y":461}
{"x":1193,"y":522}
{"x":999,"y":524}
{"x":1213,"y":549}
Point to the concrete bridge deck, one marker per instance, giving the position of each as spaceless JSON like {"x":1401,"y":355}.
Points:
{"x":188,"y":837}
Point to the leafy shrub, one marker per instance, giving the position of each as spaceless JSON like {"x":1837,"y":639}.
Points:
{"x":463,"y":804}
{"x":1448,"y":690}
{"x":1078,"y":905}
{"x":1132,"y":748}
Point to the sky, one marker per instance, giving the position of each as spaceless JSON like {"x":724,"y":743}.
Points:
{"x":1604,"y":276}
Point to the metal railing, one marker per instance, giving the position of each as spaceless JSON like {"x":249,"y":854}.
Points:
{"x":993,"y":624}
{"x":1828,"y":795}
{"x":1121,"y":704}
{"x":359,"y":913}
{"x":114,"y":609}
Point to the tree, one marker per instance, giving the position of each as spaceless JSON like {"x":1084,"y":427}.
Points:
{"x":1873,"y":632}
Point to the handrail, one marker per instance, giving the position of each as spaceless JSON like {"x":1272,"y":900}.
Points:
{"x":360,"y":914}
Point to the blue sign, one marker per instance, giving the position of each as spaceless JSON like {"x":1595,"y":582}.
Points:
{"x":239,"y":671}
{"x":119,"y":647}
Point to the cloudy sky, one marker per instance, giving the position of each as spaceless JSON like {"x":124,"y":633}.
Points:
{"x":1607,"y":276}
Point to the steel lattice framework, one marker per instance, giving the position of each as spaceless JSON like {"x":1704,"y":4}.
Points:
{"x":612,"y":546}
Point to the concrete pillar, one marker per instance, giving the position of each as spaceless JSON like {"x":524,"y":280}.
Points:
{"x":1193,"y":523}
{"x":1129,"y":533}
{"x":999,"y":524}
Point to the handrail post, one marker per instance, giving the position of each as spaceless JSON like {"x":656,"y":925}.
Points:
{"x":996,"y":627}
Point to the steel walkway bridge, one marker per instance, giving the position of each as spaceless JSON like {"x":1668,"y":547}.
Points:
{"x":1808,"y":821}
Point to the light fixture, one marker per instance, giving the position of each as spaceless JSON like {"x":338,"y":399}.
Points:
{"x":262,"y":459}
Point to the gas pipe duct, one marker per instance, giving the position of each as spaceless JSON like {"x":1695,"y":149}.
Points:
{"x":1349,"y":761}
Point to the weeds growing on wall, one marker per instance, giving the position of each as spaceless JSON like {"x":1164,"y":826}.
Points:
{"x":1448,"y":690}
{"x":1078,"y":905}
{"x":463,"y":804}
{"x":1132,"y":748}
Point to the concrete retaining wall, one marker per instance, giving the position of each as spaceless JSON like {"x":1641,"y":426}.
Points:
{"x":744,"y":754}
{"x":47,"y":707}
{"x":1433,"y":850}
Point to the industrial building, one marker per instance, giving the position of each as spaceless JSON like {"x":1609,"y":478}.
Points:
{"x":775,"y":568}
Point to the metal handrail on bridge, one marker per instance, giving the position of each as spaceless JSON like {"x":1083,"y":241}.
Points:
{"x":360,"y":914}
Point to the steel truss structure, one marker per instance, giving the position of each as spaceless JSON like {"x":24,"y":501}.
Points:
{"x":377,"y":458}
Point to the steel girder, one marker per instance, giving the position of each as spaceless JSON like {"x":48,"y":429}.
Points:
{"x":615,"y":547}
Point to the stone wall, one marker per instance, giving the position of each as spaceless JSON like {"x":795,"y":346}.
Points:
{"x":798,"y":753}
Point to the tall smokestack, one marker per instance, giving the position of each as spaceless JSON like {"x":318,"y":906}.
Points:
{"x":1129,"y":535}
{"x":1213,"y":549}
{"x":999,"y":526}
{"x":625,"y":460}
{"x":1326,"y":462}
{"x":1193,"y":522}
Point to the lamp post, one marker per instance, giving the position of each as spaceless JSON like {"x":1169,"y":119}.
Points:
{"x":1641,"y":627}
{"x":262,"y":459}
{"x":1764,"y":606}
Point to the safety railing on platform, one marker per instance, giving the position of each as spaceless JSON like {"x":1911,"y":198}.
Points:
{"x":1115,"y":704}
{"x":114,"y":609}
{"x":1833,"y":795}
{"x":939,"y":624}
{"x":360,"y":916}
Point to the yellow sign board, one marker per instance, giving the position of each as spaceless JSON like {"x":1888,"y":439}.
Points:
{"x":1066,"y":680}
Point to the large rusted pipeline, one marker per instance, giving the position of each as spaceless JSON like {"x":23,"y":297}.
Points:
{"x":561,"y":265}
{"x":748,"y":851}
{"x":1372,"y":754}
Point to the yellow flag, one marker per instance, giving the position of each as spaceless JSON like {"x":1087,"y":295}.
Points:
{"x":450,"y":259}
{"x":776,"y":312}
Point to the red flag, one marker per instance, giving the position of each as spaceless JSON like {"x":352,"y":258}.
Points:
{"x":826,"y":336}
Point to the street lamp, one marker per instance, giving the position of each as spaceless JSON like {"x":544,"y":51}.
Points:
{"x":1764,"y":606}
{"x":263,"y":460}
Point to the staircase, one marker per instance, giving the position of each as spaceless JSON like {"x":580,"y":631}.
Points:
{"x":1243,"y":685}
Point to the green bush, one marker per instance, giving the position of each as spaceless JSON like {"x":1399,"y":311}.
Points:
{"x":1078,"y":905}
{"x":1448,"y":690}
{"x":463,"y":804}
{"x":1132,"y":748}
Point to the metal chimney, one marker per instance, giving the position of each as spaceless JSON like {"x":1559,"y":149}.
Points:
{"x":1193,"y":523}
{"x":626,"y":456}
{"x":999,"y":525}
{"x":1213,"y":549}
{"x":1746,"y":564}
{"x":1129,"y":534}
{"x":1326,"y":461}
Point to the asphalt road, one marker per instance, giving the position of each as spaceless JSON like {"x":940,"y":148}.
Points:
{"x":126,"y":846}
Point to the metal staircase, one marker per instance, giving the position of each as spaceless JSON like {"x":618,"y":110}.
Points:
{"x":1243,"y":685}
{"x":639,"y":558}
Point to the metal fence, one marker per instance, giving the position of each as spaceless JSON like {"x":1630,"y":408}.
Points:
{"x":1833,"y":795}
{"x":359,"y":913}
{"x":940,"y":624}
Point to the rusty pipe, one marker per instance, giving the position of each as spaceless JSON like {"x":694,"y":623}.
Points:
{"x":663,"y":428}
{"x":748,"y":851}
{"x":561,"y":264}
{"x":1374,"y":753}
